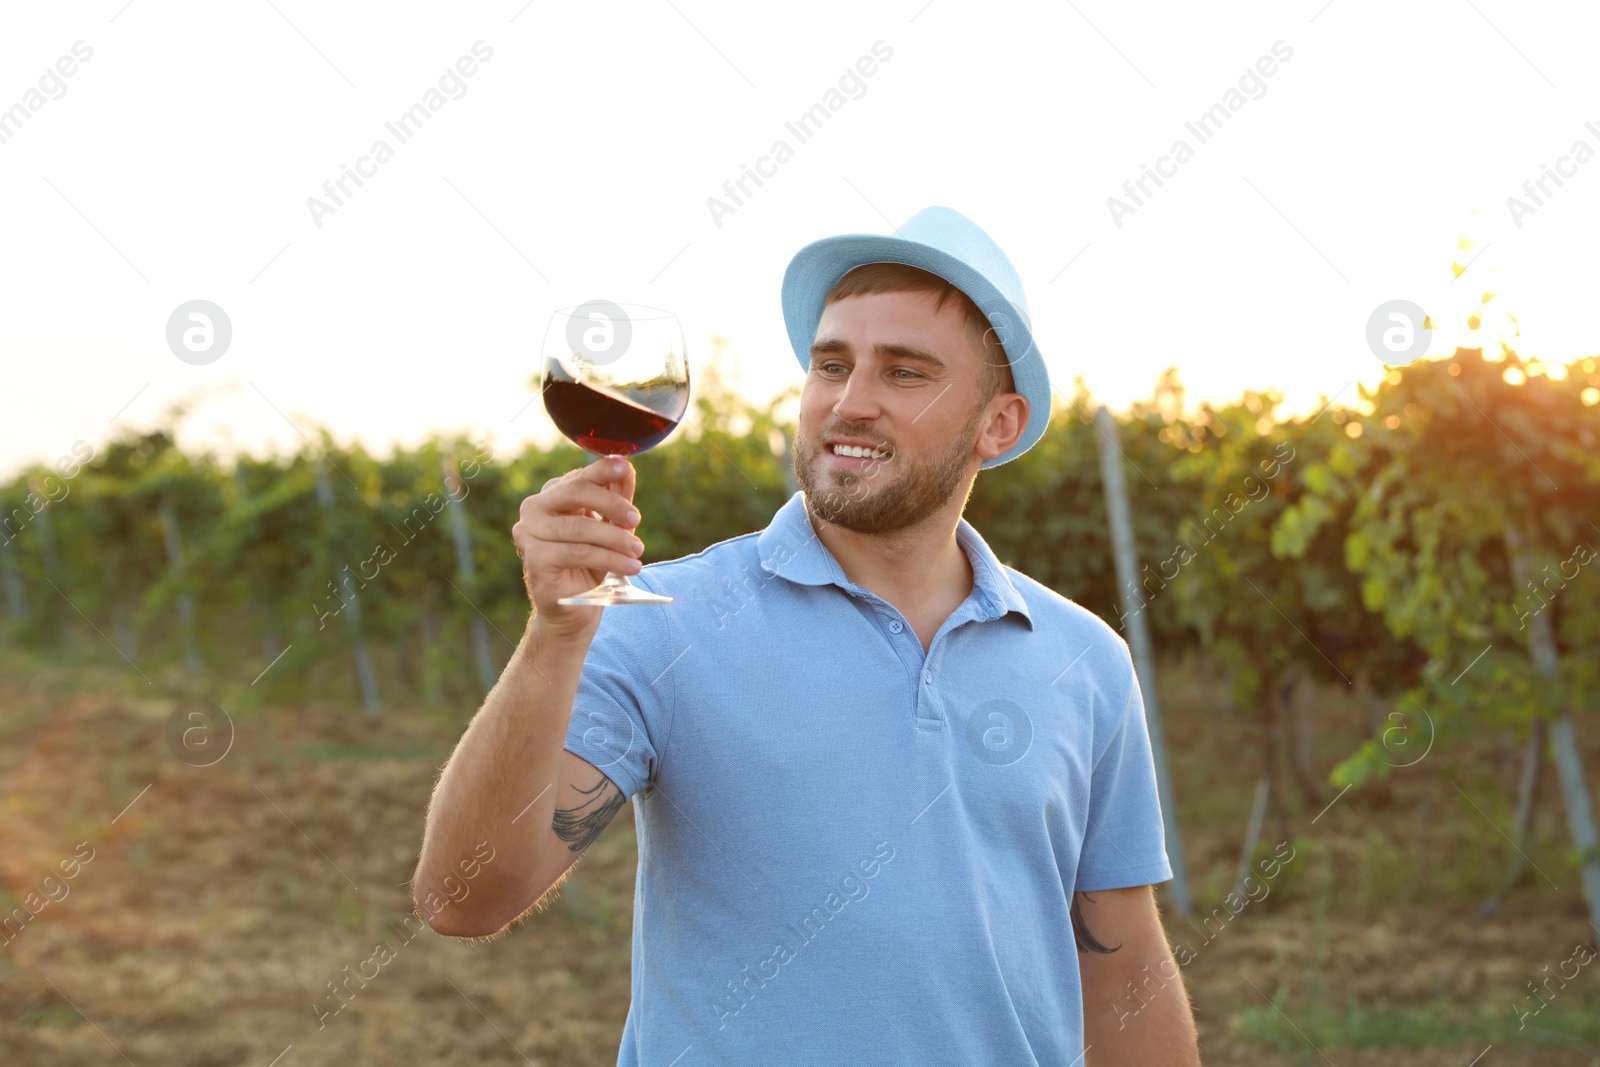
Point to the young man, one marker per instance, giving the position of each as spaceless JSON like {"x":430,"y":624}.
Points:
{"x":895,"y":801}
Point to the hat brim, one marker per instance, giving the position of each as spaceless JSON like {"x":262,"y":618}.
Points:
{"x":817,"y":266}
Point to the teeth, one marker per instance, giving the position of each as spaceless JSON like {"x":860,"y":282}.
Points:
{"x":857,"y":451}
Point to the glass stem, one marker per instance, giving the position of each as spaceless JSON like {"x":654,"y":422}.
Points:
{"x":615,"y":581}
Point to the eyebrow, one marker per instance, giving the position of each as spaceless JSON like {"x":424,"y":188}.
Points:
{"x":898,"y":351}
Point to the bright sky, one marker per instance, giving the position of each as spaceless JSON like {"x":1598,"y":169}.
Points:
{"x":176,"y":161}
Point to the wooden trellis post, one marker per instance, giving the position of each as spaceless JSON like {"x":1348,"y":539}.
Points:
{"x":1563,"y":740}
{"x":11,"y":575}
{"x":365,"y":674}
{"x":1127,"y":565}
{"x":461,"y":533}
{"x":186,"y":610}
{"x":51,"y":556}
{"x":263,"y":615}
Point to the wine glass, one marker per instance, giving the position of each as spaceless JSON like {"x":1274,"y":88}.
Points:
{"x":615,"y":382}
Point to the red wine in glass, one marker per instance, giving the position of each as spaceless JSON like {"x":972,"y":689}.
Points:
{"x":606,"y":423}
{"x":615,"y":382}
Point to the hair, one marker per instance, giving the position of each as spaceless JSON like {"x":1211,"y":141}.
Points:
{"x":902,"y":278}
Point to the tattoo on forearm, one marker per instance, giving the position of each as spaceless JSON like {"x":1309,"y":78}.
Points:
{"x":1080,"y":930}
{"x":580,"y":826}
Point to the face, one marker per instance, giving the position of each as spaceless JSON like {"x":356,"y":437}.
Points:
{"x":891,"y":375}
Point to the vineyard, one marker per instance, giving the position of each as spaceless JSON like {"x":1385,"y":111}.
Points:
{"x":1424,"y":549}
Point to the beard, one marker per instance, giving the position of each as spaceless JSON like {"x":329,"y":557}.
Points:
{"x":848,"y":498}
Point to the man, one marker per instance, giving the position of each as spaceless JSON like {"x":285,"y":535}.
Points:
{"x":895,"y":801}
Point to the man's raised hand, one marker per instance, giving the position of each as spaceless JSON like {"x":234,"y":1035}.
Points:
{"x":567,"y":549}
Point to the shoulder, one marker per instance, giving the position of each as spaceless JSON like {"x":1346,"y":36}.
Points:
{"x":687,"y":579}
{"x":649,"y":640}
{"x":1076,"y":631}
{"x":724,"y":557}
{"x":1065,"y":617}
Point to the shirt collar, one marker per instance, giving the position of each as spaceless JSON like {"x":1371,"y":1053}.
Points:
{"x":789,"y":547}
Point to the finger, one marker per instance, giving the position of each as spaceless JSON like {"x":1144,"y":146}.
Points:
{"x":572,"y":555}
{"x":576,"y":529}
{"x":617,"y":473}
{"x":603,"y":471}
{"x":628,"y":482}
{"x":579,"y":494}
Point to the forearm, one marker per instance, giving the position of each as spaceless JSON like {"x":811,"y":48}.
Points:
{"x":1149,"y":1025}
{"x":508,"y":757}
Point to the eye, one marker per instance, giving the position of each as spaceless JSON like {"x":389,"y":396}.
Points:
{"x":906,"y":373}
{"x":829,"y":366}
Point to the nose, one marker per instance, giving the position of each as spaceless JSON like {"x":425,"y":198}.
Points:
{"x":858,"y":401}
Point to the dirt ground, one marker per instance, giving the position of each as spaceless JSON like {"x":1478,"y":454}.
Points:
{"x":221,"y":901}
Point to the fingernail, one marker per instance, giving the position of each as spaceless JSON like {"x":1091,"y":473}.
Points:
{"x":619,"y":466}
{"x":638,"y":545}
{"x":633,"y":516}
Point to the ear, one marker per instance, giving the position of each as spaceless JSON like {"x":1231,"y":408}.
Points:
{"x":1002,"y":426}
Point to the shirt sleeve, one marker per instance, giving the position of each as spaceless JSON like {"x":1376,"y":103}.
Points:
{"x":1124,"y":843}
{"x":622,"y":712}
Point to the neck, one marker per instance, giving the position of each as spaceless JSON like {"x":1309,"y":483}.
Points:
{"x":913,"y":567}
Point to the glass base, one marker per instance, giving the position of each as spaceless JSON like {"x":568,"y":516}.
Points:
{"x":616,"y":589}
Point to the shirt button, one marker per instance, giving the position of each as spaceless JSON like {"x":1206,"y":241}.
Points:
{"x":895,"y":627}
{"x":927,"y":677}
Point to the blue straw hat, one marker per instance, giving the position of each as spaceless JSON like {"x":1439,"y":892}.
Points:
{"x":942,"y":242}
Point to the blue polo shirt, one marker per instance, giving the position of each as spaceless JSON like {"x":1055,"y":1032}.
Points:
{"x":851,"y":851}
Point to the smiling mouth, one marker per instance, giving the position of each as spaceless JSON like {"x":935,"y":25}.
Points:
{"x":859,"y":452}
